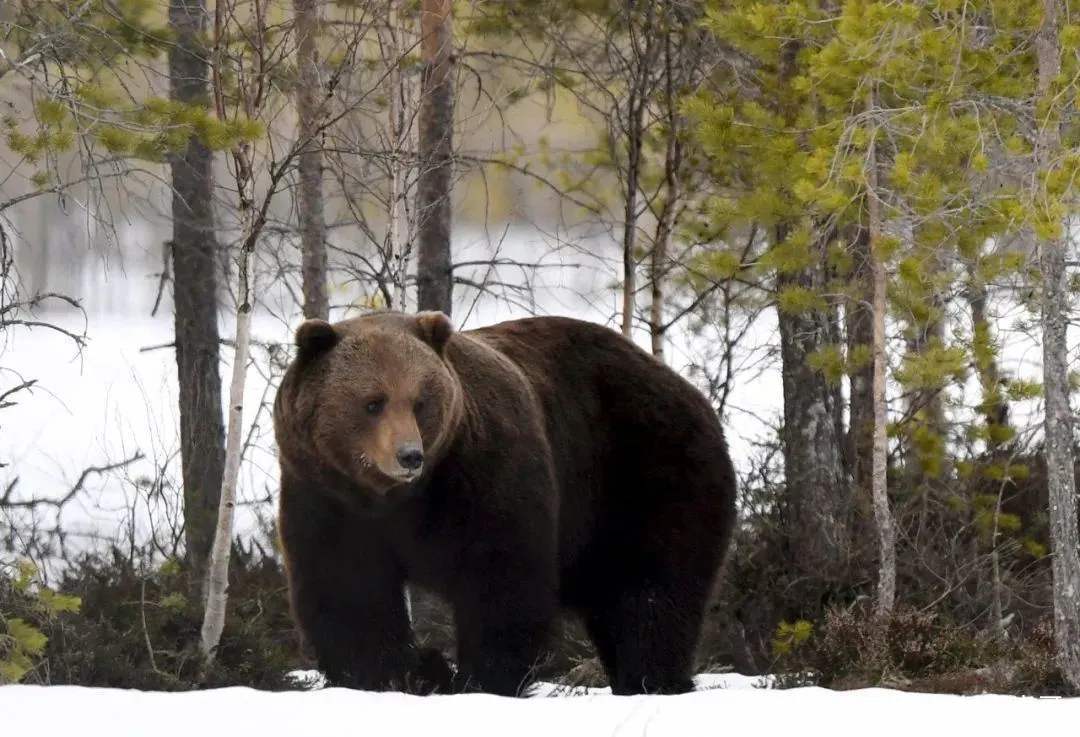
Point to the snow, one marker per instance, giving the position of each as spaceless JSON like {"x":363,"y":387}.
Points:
{"x":728,"y":704}
{"x":313,"y":679}
{"x":118,"y":395}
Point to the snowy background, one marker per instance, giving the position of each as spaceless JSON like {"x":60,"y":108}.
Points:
{"x":118,"y":395}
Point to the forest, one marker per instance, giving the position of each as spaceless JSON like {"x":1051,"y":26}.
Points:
{"x":852,"y":224}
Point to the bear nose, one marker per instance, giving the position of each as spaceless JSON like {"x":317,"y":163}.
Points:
{"x":410,"y":457}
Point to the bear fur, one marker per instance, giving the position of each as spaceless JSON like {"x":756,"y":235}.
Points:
{"x":514,"y":470}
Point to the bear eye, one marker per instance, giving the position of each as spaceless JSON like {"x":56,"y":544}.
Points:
{"x":418,"y":407}
{"x":375,"y":406}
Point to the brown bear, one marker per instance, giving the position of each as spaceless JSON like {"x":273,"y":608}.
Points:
{"x":513,"y":470}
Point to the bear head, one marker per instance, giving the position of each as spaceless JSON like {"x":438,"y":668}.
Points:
{"x":371,"y":398}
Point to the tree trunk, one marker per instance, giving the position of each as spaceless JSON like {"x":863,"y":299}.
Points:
{"x":629,"y":238}
{"x":635,"y":111}
{"x":886,"y":598}
{"x":629,"y":123}
{"x":252,"y":221}
{"x":994,"y":406}
{"x":400,"y":130}
{"x":194,"y":255}
{"x":666,"y":222}
{"x":434,"y":273}
{"x":310,"y":209}
{"x":925,"y":406}
{"x":1060,"y":473}
{"x":818,"y":502}
{"x":218,"y":579}
{"x":859,"y":320}
{"x":251,"y":224}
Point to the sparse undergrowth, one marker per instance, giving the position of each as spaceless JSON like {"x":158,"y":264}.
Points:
{"x":107,"y":624}
{"x":915,"y":651}
{"x":140,"y":630}
{"x":27,"y":607}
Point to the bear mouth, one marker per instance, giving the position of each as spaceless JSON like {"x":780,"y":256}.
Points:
{"x":397,"y":477}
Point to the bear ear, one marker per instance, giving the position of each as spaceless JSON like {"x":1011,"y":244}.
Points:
{"x":435,"y":329}
{"x":314,"y":337}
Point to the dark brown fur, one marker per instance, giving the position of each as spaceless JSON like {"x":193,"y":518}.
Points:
{"x":563,"y":467}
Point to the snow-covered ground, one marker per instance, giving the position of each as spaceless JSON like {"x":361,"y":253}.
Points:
{"x":727,"y":704}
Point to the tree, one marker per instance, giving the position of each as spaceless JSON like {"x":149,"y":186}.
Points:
{"x":102,"y":110}
{"x":310,"y":208}
{"x":195,"y":253}
{"x":1052,"y":242}
{"x":627,"y":64}
{"x":685,"y":62}
{"x":752,"y":131}
{"x":859,"y":338}
{"x":246,"y":55}
{"x":886,"y":589}
{"x":434,"y":267}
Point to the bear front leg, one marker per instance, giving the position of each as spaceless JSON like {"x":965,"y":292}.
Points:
{"x":348,"y":599}
{"x":358,"y":631}
{"x":504,"y":618}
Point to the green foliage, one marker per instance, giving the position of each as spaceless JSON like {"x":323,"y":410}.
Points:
{"x":933,"y":367}
{"x":54,"y":133}
{"x":140,"y":629}
{"x":790,"y":636}
{"x":798,"y":299}
{"x":92,"y":100}
{"x":792,"y":151}
{"x":830,"y":361}
{"x":26,"y":606}
{"x":108,"y":624}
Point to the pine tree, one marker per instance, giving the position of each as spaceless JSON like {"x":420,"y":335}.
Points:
{"x":1052,"y":243}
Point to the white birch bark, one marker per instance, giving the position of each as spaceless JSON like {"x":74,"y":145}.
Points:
{"x":886,"y":590}
{"x":394,"y":249}
{"x":218,"y":580}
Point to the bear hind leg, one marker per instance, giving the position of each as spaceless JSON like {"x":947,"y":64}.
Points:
{"x":600,"y":629}
{"x":655,"y":628}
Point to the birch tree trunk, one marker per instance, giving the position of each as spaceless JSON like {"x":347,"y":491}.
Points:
{"x":251,"y":224}
{"x":1060,"y":473}
{"x":434,"y":274}
{"x":195,"y":291}
{"x":218,"y":581}
{"x":400,"y":130}
{"x":886,"y":593}
{"x":310,"y":207}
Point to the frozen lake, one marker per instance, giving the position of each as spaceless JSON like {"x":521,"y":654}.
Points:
{"x":117,"y":396}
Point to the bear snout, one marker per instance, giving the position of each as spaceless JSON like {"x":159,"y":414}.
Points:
{"x":411,"y":457}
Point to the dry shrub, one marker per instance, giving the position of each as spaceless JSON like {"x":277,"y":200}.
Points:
{"x":919,"y":651}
